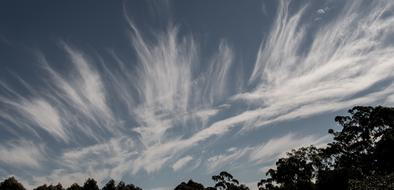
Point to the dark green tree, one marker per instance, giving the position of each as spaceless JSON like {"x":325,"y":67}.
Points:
{"x":42,"y":187}
{"x":110,"y":185}
{"x":59,"y":187}
{"x":132,"y":187}
{"x":122,"y":186}
{"x":190,"y":185}
{"x":296,"y":171}
{"x":90,"y":184}
{"x":225,"y":181}
{"x":11,"y":184}
{"x":50,"y":187}
{"x":375,"y":182}
{"x":361,"y":151}
{"x":75,"y":186}
{"x":364,"y":145}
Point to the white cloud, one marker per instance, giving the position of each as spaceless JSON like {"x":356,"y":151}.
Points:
{"x":181,"y":162}
{"x":346,"y":58}
{"x":266,"y":152}
{"x":45,"y":116}
{"x":101,"y":161}
{"x":226,"y":160}
{"x":277,"y":147}
{"x":321,"y":11}
{"x":22,"y":154}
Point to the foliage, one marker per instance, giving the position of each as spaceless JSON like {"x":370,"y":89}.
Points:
{"x":110,"y":185}
{"x":190,"y":185}
{"x":375,"y":182}
{"x":50,"y":187}
{"x":296,"y":171}
{"x":226,"y":181}
{"x":361,"y":151}
{"x":90,"y":184}
{"x":122,"y":186}
{"x":75,"y":186}
{"x":11,"y":184}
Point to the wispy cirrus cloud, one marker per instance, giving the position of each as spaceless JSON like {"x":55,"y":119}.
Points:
{"x":277,"y":147}
{"x":181,"y":162}
{"x":22,"y":154}
{"x":266,"y":152}
{"x":301,"y":71}
{"x":221,"y":161}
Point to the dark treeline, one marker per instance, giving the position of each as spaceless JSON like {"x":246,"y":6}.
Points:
{"x":90,"y":184}
{"x":361,"y":156}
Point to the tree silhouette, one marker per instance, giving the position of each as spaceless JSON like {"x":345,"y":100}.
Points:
{"x":110,"y":185}
{"x":11,"y":184}
{"x":75,"y":186}
{"x":132,"y":187}
{"x":296,"y":171}
{"x":361,"y":150}
{"x":364,"y":145}
{"x":190,"y":185}
{"x":50,"y":187}
{"x":375,"y":182}
{"x":90,"y":184}
{"x":122,"y":186}
{"x":225,"y":181}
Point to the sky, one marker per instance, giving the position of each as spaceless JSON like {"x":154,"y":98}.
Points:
{"x":159,"y":92}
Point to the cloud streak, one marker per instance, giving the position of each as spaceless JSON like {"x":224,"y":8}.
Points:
{"x":181,"y":163}
{"x":22,"y":154}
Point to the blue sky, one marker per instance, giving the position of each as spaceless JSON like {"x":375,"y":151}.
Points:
{"x":159,"y":92}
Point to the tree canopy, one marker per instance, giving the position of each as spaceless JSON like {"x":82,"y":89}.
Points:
{"x":11,"y":184}
{"x":360,"y":153}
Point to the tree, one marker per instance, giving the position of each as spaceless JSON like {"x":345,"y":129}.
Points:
{"x":59,"y":187}
{"x":75,"y":186}
{"x":90,"y":184}
{"x":190,"y":185}
{"x":365,"y":136}
{"x":375,"y":182}
{"x":226,"y":181}
{"x":121,"y":186}
{"x":42,"y":187}
{"x":50,"y":187}
{"x":132,"y":187}
{"x":296,"y":171}
{"x":360,"y":153}
{"x":11,"y":184}
{"x":110,"y":185}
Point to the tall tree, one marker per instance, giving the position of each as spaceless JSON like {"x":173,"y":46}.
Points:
{"x":296,"y":171}
{"x":50,"y":187}
{"x":110,"y":185}
{"x":11,"y":184}
{"x":75,"y":186}
{"x":366,"y":135}
{"x":190,"y":185}
{"x":90,"y":184}
{"x":225,"y":181}
{"x":361,"y":150}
